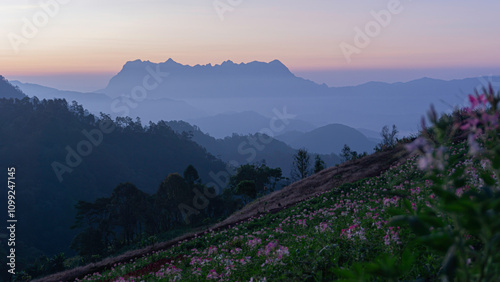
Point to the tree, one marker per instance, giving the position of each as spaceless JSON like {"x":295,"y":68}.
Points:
{"x":172,"y":191}
{"x":346,"y":154}
{"x":191,"y":175}
{"x":247,"y":189}
{"x":94,"y":218}
{"x":174,"y":187}
{"x":89,"y":243}
{"x":319,"y":164}
{"x":389,"y":138}
{"x":127,"y":209}
{"x":263,"y":176}
{"x":301,"y":163}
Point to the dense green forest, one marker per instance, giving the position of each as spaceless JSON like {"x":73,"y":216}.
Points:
{"x":130,"y":216}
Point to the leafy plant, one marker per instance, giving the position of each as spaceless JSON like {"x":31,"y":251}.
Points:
{"x":463,"y":222}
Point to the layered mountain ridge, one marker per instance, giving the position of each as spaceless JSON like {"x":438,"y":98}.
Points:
{"x":228,"y":79}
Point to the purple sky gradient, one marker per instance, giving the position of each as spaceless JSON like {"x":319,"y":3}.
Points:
{"x":83,"y":43}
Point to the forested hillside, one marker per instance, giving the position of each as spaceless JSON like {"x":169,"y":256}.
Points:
{"x":433,"y":215}
{"x":251,"y":148}
{"x":9,"y":91}
{"x":62,"y":155}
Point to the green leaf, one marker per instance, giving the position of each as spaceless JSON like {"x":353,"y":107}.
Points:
{"x":439,"y":241}
{"x":418,"y":226}
{"x":496,"y":162}
{"x":431,"y":220}
{"x":459,"y":182}
{"x":444,"y":194}
{"x":407,"y":205}
{"x":449,"y":266}
{"x":461,"y":207}
{"x":407,"y":260}
{"x":487,"y":178}
{"x":399,"y":220}
{"x":392,"y":211}
{"x":459,"y":172}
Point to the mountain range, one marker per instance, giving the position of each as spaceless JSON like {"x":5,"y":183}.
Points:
{"x":243,"y":149}
{"x":227,"y":80}
{"x":241,"y":94}
{"x":247,"y":122}
{"x":336,"y":135}
{"x":148,"y":110}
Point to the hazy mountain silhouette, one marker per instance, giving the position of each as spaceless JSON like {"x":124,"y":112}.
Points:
{"x":239,"y":148}
{"x":262,"y":87}
{"x":248,"y":122}
{"x":94,"y":102}
{"x":182,"y":92}
{"x":329,"y":139}
{"x":372,"y":135}
{"x":147,"y":109}
{"x":229,"y":80}
{"x":8,"y":90}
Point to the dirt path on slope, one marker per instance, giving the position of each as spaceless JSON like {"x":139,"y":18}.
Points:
{"x":289,"y":196}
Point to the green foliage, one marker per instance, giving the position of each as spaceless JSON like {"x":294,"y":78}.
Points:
{"x":246,"y":188}
{"x":191,"y":175}
{"x":389,"y":139}
{"x":128,"y":206}
{"x":130,"y":217}
{"x":40,"y":132}
{"x":319,"y":164}
{"x":434,"y":216}
{"x":336,"y":235}
{"x":42,"y":266}
{"x":266,"y":179}
{"x":301,"y":165}
{"x":347,"y":154}
{"x":463,"y":223}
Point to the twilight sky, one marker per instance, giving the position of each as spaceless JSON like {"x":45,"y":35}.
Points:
{"x":80,"y":44}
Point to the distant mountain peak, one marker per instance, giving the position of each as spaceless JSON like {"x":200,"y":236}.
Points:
{"x":245,"y":79}
{"x":228,"y":62}
{"x":273,"y":67}
{"x":135,"y":64}
{"x":171,"y":62}
{"x":276,"y":61}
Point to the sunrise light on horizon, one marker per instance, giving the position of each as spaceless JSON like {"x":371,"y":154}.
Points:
{"x":98,"y":37}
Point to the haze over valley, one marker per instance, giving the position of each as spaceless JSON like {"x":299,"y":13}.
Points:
{"x":243,"y":98}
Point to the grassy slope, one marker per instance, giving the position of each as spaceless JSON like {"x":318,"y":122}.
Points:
{"x":306,"y":239}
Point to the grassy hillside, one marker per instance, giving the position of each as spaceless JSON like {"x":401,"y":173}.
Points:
{"x":332,"y":230}
{"x":327,"y":237}
{"x":432,"y":216}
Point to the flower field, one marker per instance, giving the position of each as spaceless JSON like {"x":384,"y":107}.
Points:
{"x":319,"y":238}
{"x":434,"y":215}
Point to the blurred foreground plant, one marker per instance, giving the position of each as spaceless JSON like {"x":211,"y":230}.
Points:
{"x":463,"y":220}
